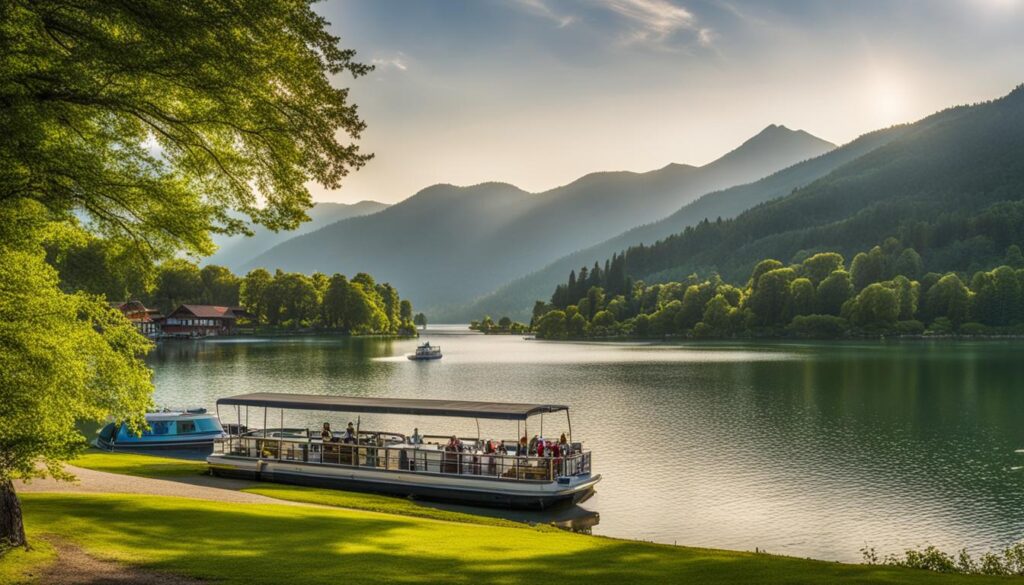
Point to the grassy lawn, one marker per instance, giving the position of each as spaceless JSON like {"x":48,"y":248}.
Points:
{"x":139,"y":465}
{"x":374,"y":503}
{"x":234,"y":543}
{"x":18,"y":565}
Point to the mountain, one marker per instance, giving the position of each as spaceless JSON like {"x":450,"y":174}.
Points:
{"x":235,"y":251}
{"x":517,"y":297}
{"x":951,"y":187}
{"x":449,"y":244}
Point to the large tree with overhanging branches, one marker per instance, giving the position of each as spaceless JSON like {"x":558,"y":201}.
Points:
{"x":150,"y":123}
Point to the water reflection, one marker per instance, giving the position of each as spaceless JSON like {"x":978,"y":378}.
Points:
{"x":804,"y":449}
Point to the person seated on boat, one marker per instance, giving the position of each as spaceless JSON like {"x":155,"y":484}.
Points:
{"x":326,"y":435}
{"x":350,"y":434}
{"x":540,"y":446}
{"x":416,"y":438}
{"x":454,"y":444}
{"x":563,"y":445}
{"x":532,"y":447}
{"x":524,"y":448}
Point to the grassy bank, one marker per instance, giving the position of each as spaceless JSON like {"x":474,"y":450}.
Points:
{"x":139,"y":465}
{"x":234,"y":543}
{"x":378,"y":539}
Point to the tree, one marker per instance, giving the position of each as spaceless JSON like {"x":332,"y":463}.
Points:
{"x":761,"y":268}
{"x":252,"y":293}
{"x":771,"y":299}
{"x":909,"y":264}
{"x":820,"y":266}
{"x":832,"y":292}
{"x":177,"y":281}
{"x":868,"y":268}
{"x":875,"y":306}
{"x":504,"y":323}
{"x":336,"y":298}
{"x":420,"y":320}
{"x":238,"y":100}
{"x":997,"y":297}
{"x":719,"y":316}
{"x":220,"y":286}
{"x":63,"y":357}
{"x":801,"y":291}
{"x":552,"y":325}
{"x":948,"y":298}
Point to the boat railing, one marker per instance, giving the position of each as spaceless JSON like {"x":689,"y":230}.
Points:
{"x":404,"y":457}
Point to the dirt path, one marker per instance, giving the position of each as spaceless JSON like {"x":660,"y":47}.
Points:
{"x":202,"y":487}
{"x":75,"y":567}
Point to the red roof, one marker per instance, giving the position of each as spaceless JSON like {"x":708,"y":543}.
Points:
{"x":207,"y":311}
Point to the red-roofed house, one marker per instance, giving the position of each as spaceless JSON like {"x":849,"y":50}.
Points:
{"x":146,"y":321}
{"x":202,"y":321}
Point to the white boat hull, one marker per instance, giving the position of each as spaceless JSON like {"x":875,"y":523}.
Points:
{"x":467,"y":489}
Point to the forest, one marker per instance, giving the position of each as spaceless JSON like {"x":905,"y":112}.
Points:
{"x":279,"y":300}
{"x":883,"y":291}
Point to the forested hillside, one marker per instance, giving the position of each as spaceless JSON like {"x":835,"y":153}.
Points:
{"x":447,"y":245}
{"x":881,"y":292}
{"x":950,"y":187}
{"x":945,"y":200}
{"x":516,"y":298}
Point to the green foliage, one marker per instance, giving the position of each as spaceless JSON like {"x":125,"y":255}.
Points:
{"x":877,"y":306}
{"x":552,"y":325}
{"x":63,"y":357}
{"x":818,"y":267}
{"x":1008,"y":562}
{"x":784,"y":301}
{"x":868,"y":268}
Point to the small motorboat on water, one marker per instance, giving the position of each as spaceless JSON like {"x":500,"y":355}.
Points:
{"x":426,"y":352}
{"x":168,"y":429}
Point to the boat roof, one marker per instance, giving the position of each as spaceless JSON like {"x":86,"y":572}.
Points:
{"x":414,"y":406}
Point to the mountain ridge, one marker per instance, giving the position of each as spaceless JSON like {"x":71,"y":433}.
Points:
{"x":451,"y":244}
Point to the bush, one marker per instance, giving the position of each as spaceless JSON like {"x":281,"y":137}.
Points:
{"x":818,"y":326}
{"x":910,"y":327}
{"x":975,"y":329}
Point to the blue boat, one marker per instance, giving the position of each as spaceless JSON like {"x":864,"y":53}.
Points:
{"x":169,"y":429}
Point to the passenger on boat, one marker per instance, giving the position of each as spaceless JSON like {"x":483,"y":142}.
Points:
{"x":454,"y":444}
{"x":350,"y":434}
{"x":326,"y":435}
{"x":540,"y":447}
{"x":524,"y":448}
{"x":416,"y":438}
{"x":564,"y":448}
{"x":532,"y":447}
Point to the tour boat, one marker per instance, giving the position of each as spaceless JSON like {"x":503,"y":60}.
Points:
{"x":168,"y":429}
{"x":474,"y":472}
{"x":426,"y":352}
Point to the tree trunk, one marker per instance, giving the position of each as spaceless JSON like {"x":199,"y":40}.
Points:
{"x":12,"y":529}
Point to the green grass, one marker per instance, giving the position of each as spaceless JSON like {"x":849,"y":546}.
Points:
{"x":139,"y":465}
{"x":18,"y":565}
{"x":373,"y":503}
{"x":233,"y":543}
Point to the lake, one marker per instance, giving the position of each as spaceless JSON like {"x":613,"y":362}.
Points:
{"x":811,"y":450}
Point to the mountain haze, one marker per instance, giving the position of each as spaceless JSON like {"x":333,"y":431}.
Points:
{"x":447,"y":245}
{"x":235,"y":251}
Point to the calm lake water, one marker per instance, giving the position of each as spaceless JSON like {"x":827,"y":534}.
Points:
{"x":802,"y":449}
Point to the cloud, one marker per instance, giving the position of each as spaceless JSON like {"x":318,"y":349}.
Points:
{"x":398,"y":62}
{"x":657,"y":22}
{"x":541,"y":8}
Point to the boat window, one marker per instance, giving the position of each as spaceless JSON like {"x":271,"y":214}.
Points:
{"x":186,"y":426}
{"x":207,"y":425}
{"x":158,"y":427}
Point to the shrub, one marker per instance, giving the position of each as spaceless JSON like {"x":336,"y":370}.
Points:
{"x":818,"y":326}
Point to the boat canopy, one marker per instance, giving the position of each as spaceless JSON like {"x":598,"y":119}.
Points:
{"x":412,"y":406}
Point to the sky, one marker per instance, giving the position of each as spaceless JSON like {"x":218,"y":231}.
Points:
{"x":540,"y":92}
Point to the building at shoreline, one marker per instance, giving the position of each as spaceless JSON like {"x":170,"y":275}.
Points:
{"x":202,"y":321}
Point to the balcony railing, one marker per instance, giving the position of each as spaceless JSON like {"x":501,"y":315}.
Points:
{"x":404,"y":457}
